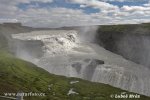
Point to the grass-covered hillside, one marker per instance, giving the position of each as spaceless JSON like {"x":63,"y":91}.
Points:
{"x":131,"y":28}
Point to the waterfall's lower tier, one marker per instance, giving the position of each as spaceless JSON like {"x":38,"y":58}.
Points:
{"x":111,"y":69}
{"x":63,"y":55}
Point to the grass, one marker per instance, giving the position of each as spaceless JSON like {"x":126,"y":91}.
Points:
{"x":127,"y":28}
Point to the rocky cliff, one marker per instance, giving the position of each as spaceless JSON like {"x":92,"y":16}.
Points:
{"x":130,"y":41}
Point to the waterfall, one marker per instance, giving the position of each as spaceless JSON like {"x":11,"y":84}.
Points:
{"x":65,"y":55}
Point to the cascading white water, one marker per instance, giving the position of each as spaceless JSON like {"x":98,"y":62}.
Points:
{"x":65,"y":55}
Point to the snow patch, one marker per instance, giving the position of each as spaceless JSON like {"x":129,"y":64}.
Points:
{"x":71,"y":91}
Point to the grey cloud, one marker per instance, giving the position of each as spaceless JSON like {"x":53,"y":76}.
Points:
{"x":58,"y":16}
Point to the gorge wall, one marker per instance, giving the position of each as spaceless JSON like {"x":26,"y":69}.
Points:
{"x":130,"y":41}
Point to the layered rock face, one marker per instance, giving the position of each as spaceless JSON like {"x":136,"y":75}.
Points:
{"x":130,"y":41}
{"x":64,"y":54}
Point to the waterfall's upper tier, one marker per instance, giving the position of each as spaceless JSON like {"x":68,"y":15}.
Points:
{"x":56,"y":42}
{"x":43,"y":35}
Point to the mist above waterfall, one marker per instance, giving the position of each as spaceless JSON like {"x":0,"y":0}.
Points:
{"x":87,"y":33}
{"x":28,"y":50}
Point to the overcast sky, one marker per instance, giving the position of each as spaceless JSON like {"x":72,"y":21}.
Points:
{"x":57,"y":13}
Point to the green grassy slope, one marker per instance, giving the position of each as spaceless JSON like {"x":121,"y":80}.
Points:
{"x":16,"y":75}
{"x":126,"y":29}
